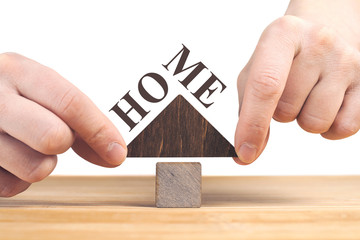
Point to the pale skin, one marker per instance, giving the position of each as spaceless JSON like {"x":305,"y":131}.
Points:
{"x":306,"y":67}
{"x":43,"y":115}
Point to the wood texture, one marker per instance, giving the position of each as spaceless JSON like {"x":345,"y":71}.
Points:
{"x":180,"y":131}
{"x":232,"y":208}
{"x":178,"y":185}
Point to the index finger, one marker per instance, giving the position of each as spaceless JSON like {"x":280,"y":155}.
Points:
{"x":71,"y":105}
{"x":266,"y":78}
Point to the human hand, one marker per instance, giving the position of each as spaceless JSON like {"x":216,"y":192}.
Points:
{"x":305,"y":68}
{"x":41,"y":115}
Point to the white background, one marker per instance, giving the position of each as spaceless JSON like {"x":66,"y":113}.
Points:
{"x":105,"y":47}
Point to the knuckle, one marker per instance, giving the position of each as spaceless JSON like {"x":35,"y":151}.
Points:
{"x":56,"y":140}
{"x":313,"y":123}
{"x":7,"y":57}
{"x":283,"y":26}
{"x":98,"y":135}
{"x":322,"y":41}
{"x":325,"y":37}
{"x":9,"y":61}
{"x":285,"y":22}
{"x":69,"y":103}
{"x":256,"y":127}
{"x":348,"y":65}
{"x":285,"y":112}
{"x":267,"y":85}
{"x":42,"y":169}
{"x":345,"y":128}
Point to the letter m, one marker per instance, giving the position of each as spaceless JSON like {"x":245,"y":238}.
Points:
{"x":180,"y":67}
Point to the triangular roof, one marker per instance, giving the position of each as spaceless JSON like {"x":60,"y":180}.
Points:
{"x":180,"y":131}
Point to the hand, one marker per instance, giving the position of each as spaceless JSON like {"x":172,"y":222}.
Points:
{"x":41,"y":115}
{"x":302,"y":69}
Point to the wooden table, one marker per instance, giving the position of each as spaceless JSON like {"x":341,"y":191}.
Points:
{"x":233,"y":208}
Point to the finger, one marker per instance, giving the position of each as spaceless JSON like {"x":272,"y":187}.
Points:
{"x":82,"y":149}
{"x":242,"y":80}
{"x":266,"y":81}
{"x":24,"y":162}
{"x":11,"y":185}
{"x":323,"y":104}
{"x":347,"y":121}
{"x":73,"y":107}
{"x":303,"y":76}
{"x":238,"y":161}
{"x":34,"y":125}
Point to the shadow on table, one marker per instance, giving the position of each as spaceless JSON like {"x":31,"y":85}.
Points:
{"x":140,"y":192}
{"x":14,"y":203}
{"x":209,"y":199}
{"x":245,"y":199}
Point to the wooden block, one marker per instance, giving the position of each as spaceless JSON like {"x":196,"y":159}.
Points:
{"x":178,"y":185}
{"x":180,"y":131}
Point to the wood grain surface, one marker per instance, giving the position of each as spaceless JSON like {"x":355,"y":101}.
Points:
{"x":232,"y":208}
{"x":178,"y":185}
{"x":180,"y":131}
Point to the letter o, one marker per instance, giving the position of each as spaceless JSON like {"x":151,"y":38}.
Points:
{"x":146,"y":95}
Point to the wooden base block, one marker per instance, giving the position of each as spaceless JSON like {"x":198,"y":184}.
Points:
{"x":178,"y":185}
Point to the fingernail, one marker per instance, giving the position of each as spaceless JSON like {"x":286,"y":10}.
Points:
{"x":116,"y":153}
{"x":247,"y":153}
